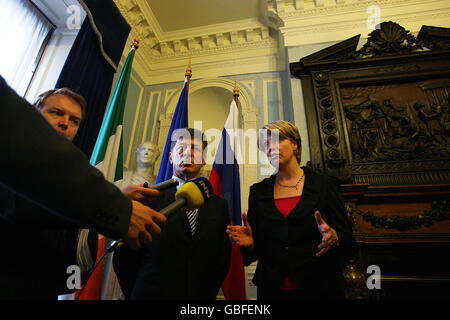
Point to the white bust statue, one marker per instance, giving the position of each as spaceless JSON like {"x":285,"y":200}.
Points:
{"x":146,"y":156}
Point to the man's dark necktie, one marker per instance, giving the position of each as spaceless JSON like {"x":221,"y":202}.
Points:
{"x":192,"y":218}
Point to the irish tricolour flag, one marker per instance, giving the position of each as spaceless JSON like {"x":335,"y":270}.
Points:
{"x":108,"y":158}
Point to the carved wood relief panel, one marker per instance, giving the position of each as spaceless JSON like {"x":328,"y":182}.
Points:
{"x":381,"y":114}
{"x":378,"y":118}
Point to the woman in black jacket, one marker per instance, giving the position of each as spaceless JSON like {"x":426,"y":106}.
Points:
{"x":297,"y":226}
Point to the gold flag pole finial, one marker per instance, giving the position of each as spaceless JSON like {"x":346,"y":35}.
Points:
{"x":189,"y":70}
{"x":236,"y":89}
{"x":135,"y":43}
{"x":236,"y":92}
{"x":188,"y":74}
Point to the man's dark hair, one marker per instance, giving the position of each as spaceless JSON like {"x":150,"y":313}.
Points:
{"x":188,"y":133}
{"x":39,"y":103}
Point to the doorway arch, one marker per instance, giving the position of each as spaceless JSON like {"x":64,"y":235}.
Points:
{"x":247,"y":114}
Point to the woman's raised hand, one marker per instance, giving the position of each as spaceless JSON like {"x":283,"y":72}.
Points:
{"x":241,"y":235}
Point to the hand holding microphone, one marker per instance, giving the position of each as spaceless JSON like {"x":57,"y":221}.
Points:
{"x":145,"y":194}
{"x":144,"y":221}
{"x":191,"y":195}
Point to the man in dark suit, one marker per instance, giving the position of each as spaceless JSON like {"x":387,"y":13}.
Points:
{"x":191,"y":257}
{"x":41,"y":167}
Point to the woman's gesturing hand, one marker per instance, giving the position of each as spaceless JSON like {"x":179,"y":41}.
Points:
{"x":241,"y":235}
{"x":329,"y":235}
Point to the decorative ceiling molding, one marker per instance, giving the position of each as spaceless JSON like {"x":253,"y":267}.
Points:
{"x":258,"y":44}
{"x":309,"y":21}
{"x":163,"y":56}
{"x":171,"y":70}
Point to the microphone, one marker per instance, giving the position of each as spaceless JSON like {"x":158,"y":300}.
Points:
{"x":163,"y":185}
{"x":190,"y":195}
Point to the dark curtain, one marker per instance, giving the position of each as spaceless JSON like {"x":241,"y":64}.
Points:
{"x":87,"y":72}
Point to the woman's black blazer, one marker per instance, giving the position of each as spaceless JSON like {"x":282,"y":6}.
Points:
{"x":287,"y":246}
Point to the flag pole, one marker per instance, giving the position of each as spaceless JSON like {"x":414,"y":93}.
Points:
{"x":236,"y":93}
{"x":109,"y":281}
{"x":179,"y":120}
{"x":108,"y":157}
{"x":188,"y":75}
{"x":135,"y":43}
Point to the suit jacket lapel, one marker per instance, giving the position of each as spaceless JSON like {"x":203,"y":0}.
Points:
{"x":180,"y":216}
{"x":169,"y":197}
{"x":267,"y":198}
{"x":203,"y":212}
{"x":309,"y":200}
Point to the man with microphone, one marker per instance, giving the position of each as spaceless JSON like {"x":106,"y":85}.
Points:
{"x":190,"y":258}
{"x":43,"y":168}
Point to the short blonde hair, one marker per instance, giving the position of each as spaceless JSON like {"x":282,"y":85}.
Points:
{"x":287,"y":130}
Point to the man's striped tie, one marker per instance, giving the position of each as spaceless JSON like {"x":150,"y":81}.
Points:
{"x":192,"y":218}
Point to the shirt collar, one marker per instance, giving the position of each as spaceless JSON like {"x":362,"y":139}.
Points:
{"x":180,"y":181}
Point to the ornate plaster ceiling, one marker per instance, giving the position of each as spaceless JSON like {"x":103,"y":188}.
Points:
{"x":199,"y":13}
{"x":228,"y":37}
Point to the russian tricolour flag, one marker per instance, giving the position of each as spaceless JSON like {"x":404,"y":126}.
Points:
{"x":225,"y":179}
